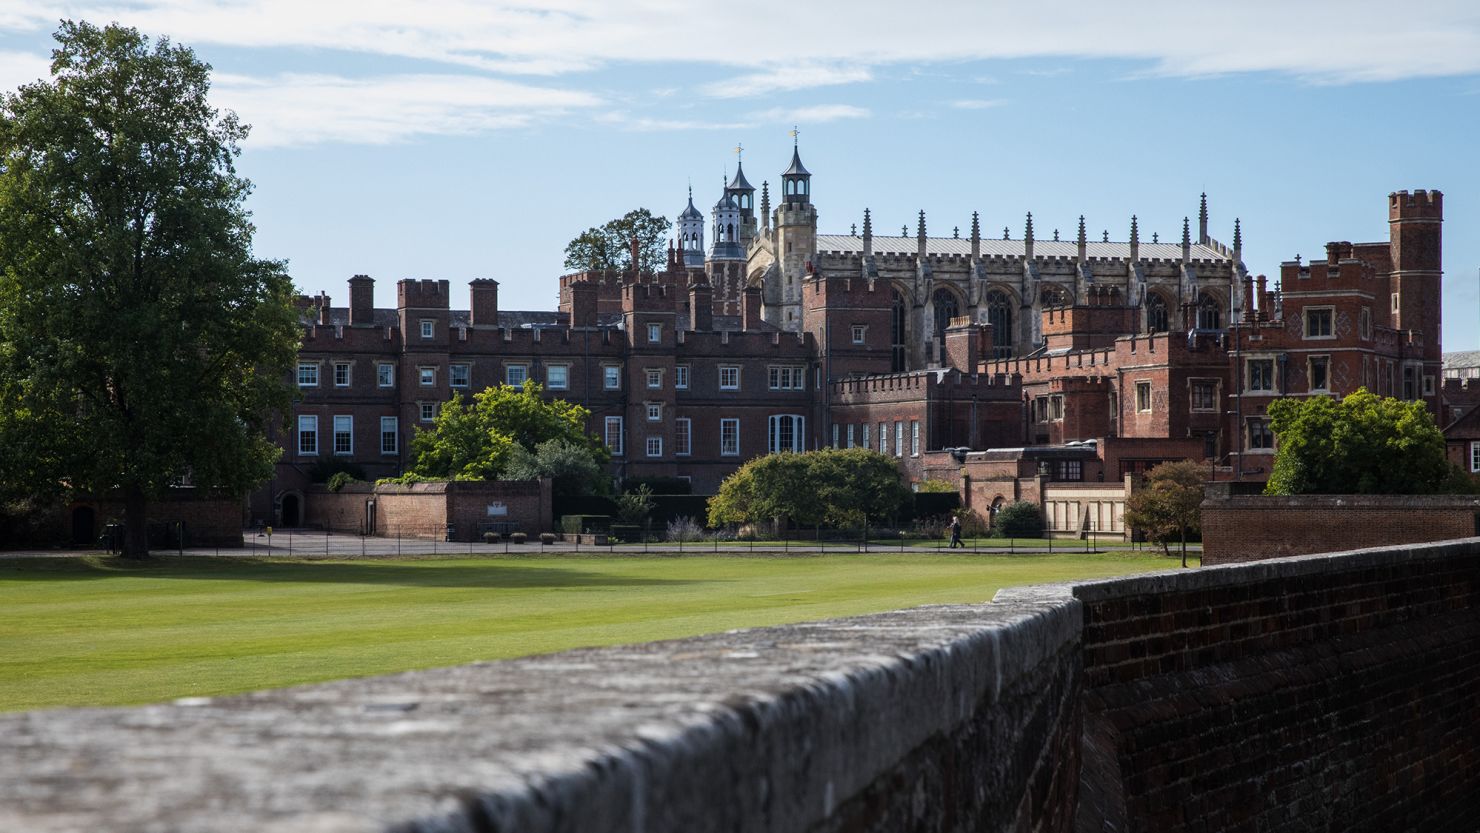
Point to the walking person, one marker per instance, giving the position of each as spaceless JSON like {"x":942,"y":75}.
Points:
{"x":956,"y":534}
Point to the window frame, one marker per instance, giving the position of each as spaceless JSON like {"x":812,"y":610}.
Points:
{"x":1249,"y":433}
{"x":311,"y":433}
{"x":611,"y":377}
{"x":393,"y":432}
{"x":348,"y":368}
{"x":426,"y":377}
{"x":348,"y":434}
{"x":1475,"y":457}
{"x":1262,"y":361}
{"x":385,"y":375}
{"x":1210,"y":387}
{"x":914,"y":438}
{"x":509,"y":370}
{"x":467,"y":375}
{"x":1144,"y":403}
{"x":683,"y":437}
{"x":311,"y":378}
{"x":654,"y":377}
{"x":654,"y":411}
{"x":1310,"y":373}
{"x":617,"y":449}
{"x":729,"y":426}
{"x":1308,"y":319}
{"x":681,"y":377}
{"x":426,"y":411}
{"x":859,"y":334}
{"x":778,"y":425}
{"x":550,"y":383}
{"x":653,"y":447}
{"x":428,"y":328}
{"x":732,"y":370}
{"x":654,"y":333}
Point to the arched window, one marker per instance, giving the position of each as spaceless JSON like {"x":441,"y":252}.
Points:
{"x":946,"y":308}
{"x":1053,"y":296}
{"x":1156,"y":313}
{"x":896,"y":332}
{"x":999,"y":315}
{"x":1209,"y":314}
{"x":729,"y":232}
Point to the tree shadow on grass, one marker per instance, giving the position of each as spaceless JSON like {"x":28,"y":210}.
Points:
{"x":448,"y":573}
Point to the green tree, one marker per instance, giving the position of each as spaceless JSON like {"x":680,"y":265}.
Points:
{"x":837,"y":487}
{"x":608,"y":247}
{"x":1168,"y":504}
{"x":1364,"y":444}
{"x":569,"y":466}
{"x":477,"y":440}
{"x":1019,"y":519}
{"x":141,"y":342}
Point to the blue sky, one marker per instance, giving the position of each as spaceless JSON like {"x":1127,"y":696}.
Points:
{"x":460,"y":140}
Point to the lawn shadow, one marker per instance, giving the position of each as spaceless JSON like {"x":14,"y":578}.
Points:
{"x":431,"y":572}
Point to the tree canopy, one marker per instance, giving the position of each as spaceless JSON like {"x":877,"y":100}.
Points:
{"x":1167,"y":505}
{"x":1363,"y":444}
{"x":608,"y":247}
{"x":830,"y":486}
{"x":141,"y":342}
{"x":506,"y":431}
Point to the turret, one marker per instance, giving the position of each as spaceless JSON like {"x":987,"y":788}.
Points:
{"x":727,"y":219}
{"x":796,"y":181}
{"x":691,"y":234}
{"x":1415,"y":226}
{"x":741,"y":191}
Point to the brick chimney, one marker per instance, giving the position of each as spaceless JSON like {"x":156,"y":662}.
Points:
{"x":323,"y":304}
{"x":1263,"y":298}
{"x":701,"y":307}
{"x":582,"y":303}
{"x":750,"y":309}
{"x":483,"y":302}
{"x":361,"y":300}
{"x":964,"y":341}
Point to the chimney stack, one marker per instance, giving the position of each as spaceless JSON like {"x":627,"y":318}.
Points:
{"x":361,"y":300}
{"x":483,"y":302}
{"x":701,"y":307}
{"x":582,"y":303}
{"x":750,"y":309}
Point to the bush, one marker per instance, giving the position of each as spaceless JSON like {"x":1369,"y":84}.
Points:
{"x":547,"y":537}
{"x":929,"y":487}
{"x":634,"y":507}
{"x":685,"y":529}
{"x":326,"y":467}
{"x":973,"y":525}
{"x":625,"y":532}
{"x":577,"y":524}
{"x":1020,"y":519}
{"x":517,"y":537}
{"x":339,"y":479}
{"x":491,"y":537}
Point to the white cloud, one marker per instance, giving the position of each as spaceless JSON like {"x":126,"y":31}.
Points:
{"x":814,"y":114}
{"x":786,"y":78}
{"x":1324,"y":40}
{"x":304,"y":109}
{"x":17,"y":68}
{"x":977,"y":103}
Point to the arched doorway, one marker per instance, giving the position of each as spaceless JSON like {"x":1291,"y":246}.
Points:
{"x":999,"y":315}
{"x":84,"y":526}
{"x":291,"y":513}
{"x":946,"y":307}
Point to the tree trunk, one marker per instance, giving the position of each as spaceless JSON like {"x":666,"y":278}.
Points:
{"x":1184,"y":547}
{"x":135,"y":523}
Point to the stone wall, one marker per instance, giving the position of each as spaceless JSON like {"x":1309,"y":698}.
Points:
{"x":1318,"y":693}
{"x":1238,"y":528}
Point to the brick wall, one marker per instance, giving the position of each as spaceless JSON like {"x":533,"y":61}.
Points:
{"x":424,"y":510}
{"x":1255,"y":527}
{"x":1322,"y":693}
{"x":209,"y":522}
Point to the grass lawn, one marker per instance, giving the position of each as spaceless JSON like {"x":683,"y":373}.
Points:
{"x":98,"y":631}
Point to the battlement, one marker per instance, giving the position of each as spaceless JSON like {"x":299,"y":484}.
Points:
{"x":1080,"y":384}
{"x":422,"y":294}
{"x":650,"y":297}
{"x":1415,"y":205}
{"x":818,"y":288}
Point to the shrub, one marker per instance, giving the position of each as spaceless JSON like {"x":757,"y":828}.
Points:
{"x":576,"y":524}
{"x":973,"y":525}
{"x":339,"y":479}
{"x":634,"y":507}
{"x":325,"y":468}
{"x":685,"y":529}
{"x":934,"y":487}
{"x":625,"y":532}
{"x":1020,"y":519}
{"x":547,"y":537}
{"x":491,"y":537}
{"x":517,"y":537}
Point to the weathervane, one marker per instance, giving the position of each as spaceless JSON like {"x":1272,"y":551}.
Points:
{"x":795,"y":132}
{"x":739,"y":148}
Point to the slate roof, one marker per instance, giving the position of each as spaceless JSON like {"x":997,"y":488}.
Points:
{"x":892,"y":245}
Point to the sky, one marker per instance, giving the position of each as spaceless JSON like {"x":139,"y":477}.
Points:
{"x":460,"y":140}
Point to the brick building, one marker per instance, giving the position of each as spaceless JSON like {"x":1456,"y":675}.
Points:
{"x":928,"y":349}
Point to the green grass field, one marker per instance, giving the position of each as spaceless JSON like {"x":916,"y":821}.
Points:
{"x":102,"y":632}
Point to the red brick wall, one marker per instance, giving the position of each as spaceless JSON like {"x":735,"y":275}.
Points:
{"x":208,"y":521}
{"x":1253,"y":528}
{"x":424,"y":510}
{"x":1327,"y":693}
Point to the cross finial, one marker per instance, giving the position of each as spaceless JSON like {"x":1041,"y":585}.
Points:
{"x":795,"y":132}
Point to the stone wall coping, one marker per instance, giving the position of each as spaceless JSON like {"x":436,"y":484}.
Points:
{"x":493,"y":487}
{"x":797,"y":718}
{"x":1263,"y":502}
{"x":1252,"y":572}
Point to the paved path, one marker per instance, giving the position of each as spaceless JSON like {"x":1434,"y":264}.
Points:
{"x":311,"y":543}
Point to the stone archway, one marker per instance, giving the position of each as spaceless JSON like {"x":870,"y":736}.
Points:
{"x":290,"y":510}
